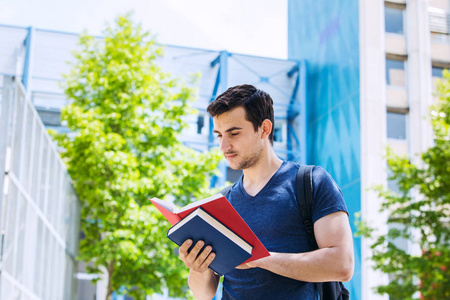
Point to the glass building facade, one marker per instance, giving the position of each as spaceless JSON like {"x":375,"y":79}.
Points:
{"x":326,"y":35}
{"x":39,"y":210}
{"x":372,"y":68}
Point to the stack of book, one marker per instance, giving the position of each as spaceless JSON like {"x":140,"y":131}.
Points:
{"x":214,"y":221}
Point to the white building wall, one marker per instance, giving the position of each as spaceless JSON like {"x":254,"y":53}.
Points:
{"x":420,"y":49}
{"x":373,"y":131}
{"x":419,"y":82}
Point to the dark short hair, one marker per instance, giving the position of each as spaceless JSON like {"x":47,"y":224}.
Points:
{"x":258,"y":105}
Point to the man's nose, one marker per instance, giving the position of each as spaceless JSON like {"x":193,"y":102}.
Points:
{"x":225,"y":144}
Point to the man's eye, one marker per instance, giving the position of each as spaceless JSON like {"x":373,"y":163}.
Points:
{"x":235,"y":133}
{"x":219,"y":136}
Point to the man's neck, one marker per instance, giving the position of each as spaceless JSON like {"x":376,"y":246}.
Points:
{"x":256,"y":177}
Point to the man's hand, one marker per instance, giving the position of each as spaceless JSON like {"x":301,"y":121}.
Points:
{"x":194,"y":260}
{"x":333,"y":261}
{"x":202,"y":280}
{"x":251,"y":264}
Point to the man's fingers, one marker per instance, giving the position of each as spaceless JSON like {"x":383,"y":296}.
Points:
{"x":190,"y":256}
{"x":208,"y":261}
{"x":194,"y":259}
{"x":205,"y":258}
{"x":195,"y":251}
{"x":243,"y":267}
{"x":201,"y":258}
{"x":183,"y":251}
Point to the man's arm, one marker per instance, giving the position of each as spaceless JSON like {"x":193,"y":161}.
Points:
{"x":202,"y":281}
{"x":333,"y":261}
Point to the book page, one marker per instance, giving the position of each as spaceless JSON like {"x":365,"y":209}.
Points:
{"x":201,"y":202}
{"x":166,"y":204}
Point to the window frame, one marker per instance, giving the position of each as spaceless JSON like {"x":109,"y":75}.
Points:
{"x":398,"y":58}
{"x":400,"y":7}
{"x":405,"y":113}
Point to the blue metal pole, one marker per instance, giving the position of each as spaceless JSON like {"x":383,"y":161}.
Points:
{"x":224,"y":71}
{"x":220,"y":86}
{"x":292,"y":112}
{"x":213,"y":96}
{"x":28,"y":63}
{"x":303,"y":111}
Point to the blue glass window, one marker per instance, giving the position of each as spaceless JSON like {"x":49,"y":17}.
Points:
{"x":277,"y":134}
{"x":393,"y":184}
{"x":395,"y":72}
{"x":396,"y":126}
{"x":437,"y":72}
{"x":200,"y":123}
{"x":393,"y":20}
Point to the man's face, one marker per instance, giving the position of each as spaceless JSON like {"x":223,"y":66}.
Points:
{"x":239,"y":142}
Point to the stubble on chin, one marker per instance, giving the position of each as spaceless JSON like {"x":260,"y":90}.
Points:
{"x":248,"y":162}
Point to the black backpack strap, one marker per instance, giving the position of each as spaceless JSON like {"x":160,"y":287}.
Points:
{"x":305,"y":198}
{"x":226,"y":190}
{"x":304,"y":194}
{"x":305,"y":201}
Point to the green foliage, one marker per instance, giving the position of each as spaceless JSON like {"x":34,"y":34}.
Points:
{"x":419,"y":214}
{"x":125,"y":117}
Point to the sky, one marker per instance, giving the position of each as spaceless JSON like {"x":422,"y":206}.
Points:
{"x":254,"y":27}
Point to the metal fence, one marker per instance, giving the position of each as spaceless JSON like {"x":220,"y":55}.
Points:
{"x":39,"y":210}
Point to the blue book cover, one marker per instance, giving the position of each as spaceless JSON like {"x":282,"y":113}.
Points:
{"x":230,"y":249}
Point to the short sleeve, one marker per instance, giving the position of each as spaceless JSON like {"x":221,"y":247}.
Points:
{"x":328,"y":197}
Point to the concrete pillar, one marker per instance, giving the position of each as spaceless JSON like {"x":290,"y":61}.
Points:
{"x":373,"y":131}
{"x":419,"y":77}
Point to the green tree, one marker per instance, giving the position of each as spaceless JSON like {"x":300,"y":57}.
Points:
{"x":420,"y":214}
{"x":125,"y":116}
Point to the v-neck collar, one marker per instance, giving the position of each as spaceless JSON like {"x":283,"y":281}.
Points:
{"x":244,"y":192}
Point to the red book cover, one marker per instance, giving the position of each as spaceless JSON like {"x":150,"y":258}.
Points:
{"x":220,"y":208}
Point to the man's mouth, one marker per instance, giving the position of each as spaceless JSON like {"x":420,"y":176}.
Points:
{"x":230,"y":155}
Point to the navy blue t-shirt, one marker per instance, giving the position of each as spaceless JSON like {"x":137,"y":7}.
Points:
{"x":273,"y":215}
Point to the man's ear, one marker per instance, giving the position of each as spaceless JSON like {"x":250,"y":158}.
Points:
{"x":266,"y":127}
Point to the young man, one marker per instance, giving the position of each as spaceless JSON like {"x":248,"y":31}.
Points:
{"x":265,"y":198}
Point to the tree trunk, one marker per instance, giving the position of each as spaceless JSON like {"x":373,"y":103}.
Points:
{"x":110,"y":273}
